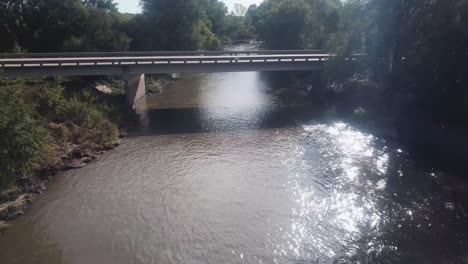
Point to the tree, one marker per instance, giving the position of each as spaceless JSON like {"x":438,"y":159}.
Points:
{"x":42,"y":26}
{"x":216,"y":12}
{"x":101,"y":33}
{"x":281,"y":24}
{"x":172,"y":23}
{"x":56,"y":25}
{"x":178,"y":24}
{"x":237,"y":28}
{"x":292,"y":24}
{"x":252,"y":14}
{"x":106,"y":5}
{"x":239,"y":9}
{"x":417,"y":48}
{"x":22,"y":138}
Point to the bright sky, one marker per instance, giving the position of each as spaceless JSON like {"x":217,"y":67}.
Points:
{"x":132,"y":6}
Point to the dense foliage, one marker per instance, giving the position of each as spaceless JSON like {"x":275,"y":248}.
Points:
{"x":295,"y":24}
{"x":417,"y":49}
{"x":96,"y":25}
{"x":60,"y":25}
{"x":22,"y":137}
{"x":39,"y":121}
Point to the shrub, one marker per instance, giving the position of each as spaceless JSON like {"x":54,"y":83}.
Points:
{"x":23,"y":140}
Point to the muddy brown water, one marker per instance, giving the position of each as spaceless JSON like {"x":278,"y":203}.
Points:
{"x":223,"y":170}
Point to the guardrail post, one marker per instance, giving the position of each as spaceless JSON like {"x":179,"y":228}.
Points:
{"x":135,"y":89}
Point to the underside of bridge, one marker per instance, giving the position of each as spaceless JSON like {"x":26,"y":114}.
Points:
{"x":122,"y":69}
{"x":134,"y":75}
{"x":133,"y":66}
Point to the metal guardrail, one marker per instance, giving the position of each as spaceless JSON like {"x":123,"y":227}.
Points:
{"x":148,"y":60}
{"x":155,"y":53}
{"x":55,"y":65}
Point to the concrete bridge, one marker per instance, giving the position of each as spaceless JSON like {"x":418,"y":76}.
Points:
{"x":134,"y":65}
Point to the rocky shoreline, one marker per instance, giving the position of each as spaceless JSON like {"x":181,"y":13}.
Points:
{"x":15,"y":200}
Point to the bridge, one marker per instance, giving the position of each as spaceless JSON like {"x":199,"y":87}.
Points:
{"x":134,"y":65}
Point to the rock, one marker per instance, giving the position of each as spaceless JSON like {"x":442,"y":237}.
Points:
{"x":4,"y":226}
{"x":15,"y":215}
{"x":76,"y":164}
{"x":87,"y":160}
{"x":12,"y":210}
{"x":104,"y":89}
{"x":9,"y":195}
{"x":4,"y":211}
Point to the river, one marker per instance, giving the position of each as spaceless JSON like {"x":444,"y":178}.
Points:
{"x":223,"y":169}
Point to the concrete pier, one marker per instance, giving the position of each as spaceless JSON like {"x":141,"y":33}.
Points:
{"x":135,"y":89}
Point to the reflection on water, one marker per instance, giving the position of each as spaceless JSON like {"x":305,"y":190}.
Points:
{"x":223,"y":171}
{"x":343,"y":208}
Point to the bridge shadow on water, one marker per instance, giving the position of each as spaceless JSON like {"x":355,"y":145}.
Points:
{"x":167,"y":121}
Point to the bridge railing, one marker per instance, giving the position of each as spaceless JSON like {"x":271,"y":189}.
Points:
{"x":156,"y":53}
{"x":145,"y":60}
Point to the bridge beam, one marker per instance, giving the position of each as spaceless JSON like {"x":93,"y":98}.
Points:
{"x":135,"y":89}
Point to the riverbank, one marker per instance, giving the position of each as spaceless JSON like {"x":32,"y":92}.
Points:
{"x":49,"y":126}
{"x":72,"y":145}
{"x":69,"y":155}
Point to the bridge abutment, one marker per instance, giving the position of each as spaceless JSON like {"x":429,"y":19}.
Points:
{"x":135,"y":89}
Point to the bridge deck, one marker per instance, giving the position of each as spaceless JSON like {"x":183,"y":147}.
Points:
{"x":73,"y":64}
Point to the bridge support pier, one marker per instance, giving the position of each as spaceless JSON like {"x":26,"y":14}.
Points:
{"x":135,"y":89}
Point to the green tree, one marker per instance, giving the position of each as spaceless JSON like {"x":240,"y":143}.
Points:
{"x":42,"y":26}
{"x":237,"y":28}
{"x":239,"y":9}
{"x":178,"y":24}
{"x":216,"y":11}
{"x":102,"y":32}
{"x":56,"y":25}
{"x":172,"y":23}
{"x":23,"y":140}
{"x":417,"y":48}
{"x":8,"y":26}
{"x":107,"y":5}
{"x":293,"y":24}
{"x":282,"y":23}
